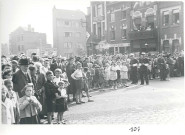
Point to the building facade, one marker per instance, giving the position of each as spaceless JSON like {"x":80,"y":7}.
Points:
{"x":171,"y":26}
{"x":98,"y":26}
{"x":69,"y":32}
{"x":118,"y":26}
{"x":23,"y":39}
{"x":143,"y":34}
{"x":138,"y":26}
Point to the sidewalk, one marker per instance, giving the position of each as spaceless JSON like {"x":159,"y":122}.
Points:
{"x":94,"y":92}
{"x":97,"y":91}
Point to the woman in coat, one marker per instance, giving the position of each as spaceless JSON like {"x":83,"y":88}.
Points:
{"x":29,"y":106}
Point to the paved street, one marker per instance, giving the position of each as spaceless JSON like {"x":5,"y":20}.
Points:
{"x":162,"y":102}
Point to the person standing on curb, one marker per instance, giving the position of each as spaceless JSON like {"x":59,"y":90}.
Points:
{"x":134,"y":69}
{"x":21,"y":77}
{"x":143,"y":70}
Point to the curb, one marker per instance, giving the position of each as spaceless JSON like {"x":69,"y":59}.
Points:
{"x":106,"y":90}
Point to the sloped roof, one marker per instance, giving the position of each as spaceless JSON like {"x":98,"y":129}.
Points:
{"x":69,"y":14}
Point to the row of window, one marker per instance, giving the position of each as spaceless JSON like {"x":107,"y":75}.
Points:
{"x":97,"y":10}
{"x":173,"y":18}
{"x":67,"y":23}
{"x":69,"y":34}
{"x":99,"y":29}
{"x":69,"y":45}
{"x":113,"y":34}
{"x":123,"y":15}
{"x":20,"y":47}
{"x":20,"y":38}
{"x":174,"y":48}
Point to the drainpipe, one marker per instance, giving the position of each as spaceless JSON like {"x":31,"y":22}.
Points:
{"x":158,"y":28}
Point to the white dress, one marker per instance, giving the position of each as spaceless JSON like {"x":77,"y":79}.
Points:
{"x":7,"y":115}
{"x":57,"y":80}
{"x":124,"y":72}
{"x":107,"y":73}
{"x":113,"y":73}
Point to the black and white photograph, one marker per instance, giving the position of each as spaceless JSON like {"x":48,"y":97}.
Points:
{"x":83,"y":62}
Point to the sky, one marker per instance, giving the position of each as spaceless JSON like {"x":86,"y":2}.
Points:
{"x":38,"y":13}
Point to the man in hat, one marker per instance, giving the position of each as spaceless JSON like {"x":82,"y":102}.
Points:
{"x":162,"y":67}
{"x":70,"y":68}
{"x":143,"y":70}
{"x":86,"y":62}
{"x":133,"y":69}
{"x":21,"y":77}
{"x":53,"y":65}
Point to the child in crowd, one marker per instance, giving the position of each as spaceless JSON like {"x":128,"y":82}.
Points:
{"x":118,"y":73}
{"x":61,"y":102}
{"x":13,"y":97}
{"x":101,"y":78}
{"x":113,"y":75}
{"x":107,"y":74}
{"x":29,"y":105}
{"x":64,"y":75}
{"x":167,"y":72}
{"x":7,"y":74}
{"x":50,"y":90}
{"x":57,"y":78}
{"x":86,"y":74}
{"x":124,"y":74}
{"x":96,"y":77}
{"x":92,"y":73}
{"x":77,"y":76}
{"x":7,"y":114}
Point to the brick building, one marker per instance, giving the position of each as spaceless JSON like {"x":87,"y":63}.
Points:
{"x":138,"y":26}
{"x":118,"y":26}
{"x":144,"y":27}
{"x":69,"y":33}
{"x":98,"y":26}
{"x":171,"y":26}
{"x":23,"y":39}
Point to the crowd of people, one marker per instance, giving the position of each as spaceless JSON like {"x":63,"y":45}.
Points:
{"x":34,"y":88}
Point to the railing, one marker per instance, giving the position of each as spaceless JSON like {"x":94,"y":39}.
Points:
{"x":134,"y":35}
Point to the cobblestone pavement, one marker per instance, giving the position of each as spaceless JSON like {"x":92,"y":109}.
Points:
{"x":157,"y":103}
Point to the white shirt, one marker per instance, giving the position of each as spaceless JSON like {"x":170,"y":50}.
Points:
{"x":63,"y":92}
{"x":124,"y":68}
{"x":57,"y":80}
{"x":13,"y":97}
{"x":77,"y":74}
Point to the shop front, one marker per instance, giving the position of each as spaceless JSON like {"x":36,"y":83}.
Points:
{"x":143,"y":41}
{"x":119,"y":48}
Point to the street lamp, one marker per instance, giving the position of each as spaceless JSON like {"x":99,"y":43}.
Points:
{"x":146,"y":47}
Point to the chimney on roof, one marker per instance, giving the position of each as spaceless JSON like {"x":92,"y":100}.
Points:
{"x":88,"y":10}
{"x":29,"y":27}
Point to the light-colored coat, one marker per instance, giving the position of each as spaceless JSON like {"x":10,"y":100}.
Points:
{"x":7,"y":114}
{"x":29,"y":109}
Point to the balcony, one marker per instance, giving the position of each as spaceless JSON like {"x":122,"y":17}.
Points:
{"x":135,"y":35}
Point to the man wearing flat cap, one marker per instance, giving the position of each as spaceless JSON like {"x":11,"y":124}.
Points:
{"x":21,"y":77}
